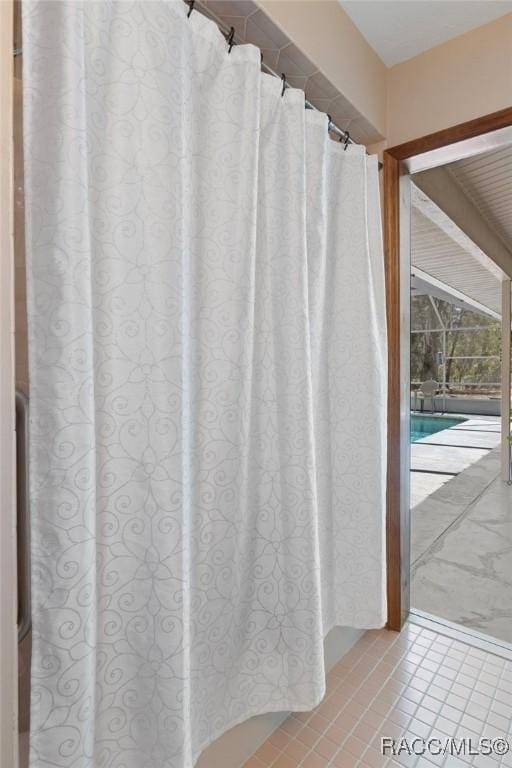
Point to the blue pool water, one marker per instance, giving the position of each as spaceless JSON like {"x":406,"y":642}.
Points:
{"x":423,"y":426}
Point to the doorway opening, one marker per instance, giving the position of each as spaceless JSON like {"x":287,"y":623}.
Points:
{"x":448,"y":235}
{"x":461,"y":508}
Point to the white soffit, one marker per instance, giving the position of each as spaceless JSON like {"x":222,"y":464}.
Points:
{"x":423,"y":284}
{"x":445,"y":253}
{"x":487,"y":181}
{"x":397,"y":30}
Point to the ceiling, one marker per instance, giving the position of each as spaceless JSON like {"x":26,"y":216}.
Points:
{"x":399,"y":30}
{"x":280,"y":53}
{"x":442,"y":251}
{"x":438,"y":255}
{"x":487,"y":181}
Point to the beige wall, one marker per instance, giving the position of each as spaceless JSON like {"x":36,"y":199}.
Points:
{"x":466,"y":77}
{"x":328,"y":37}
{"x":19,"y":245}
{"x":8,"y":639}
{"x":20,"y":326}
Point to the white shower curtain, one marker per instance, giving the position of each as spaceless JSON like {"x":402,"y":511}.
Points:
{"x":207,"y":382}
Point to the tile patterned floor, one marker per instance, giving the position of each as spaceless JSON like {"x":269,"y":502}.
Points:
{"x":416,"y":684}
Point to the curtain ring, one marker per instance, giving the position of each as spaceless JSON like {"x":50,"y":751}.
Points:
{"x":190,"y":4}
{"x":283,"y":80}
{"x":231,"y":38}
{"x":347,"y":139}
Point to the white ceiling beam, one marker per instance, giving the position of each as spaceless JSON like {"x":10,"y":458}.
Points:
{"x":461,"y":150}
{"x":425,"y":284}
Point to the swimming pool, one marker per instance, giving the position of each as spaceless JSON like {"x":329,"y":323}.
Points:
{"x":423,"y":426}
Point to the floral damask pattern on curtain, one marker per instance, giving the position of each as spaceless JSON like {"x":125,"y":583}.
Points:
{"x":207,"y":373}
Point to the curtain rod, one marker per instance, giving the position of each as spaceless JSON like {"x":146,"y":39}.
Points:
{"x":230,"y":35}
{"x":234,"y":39}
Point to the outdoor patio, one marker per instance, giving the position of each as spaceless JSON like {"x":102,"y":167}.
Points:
{"x":439,"y":458}
{"x":461,"y":542}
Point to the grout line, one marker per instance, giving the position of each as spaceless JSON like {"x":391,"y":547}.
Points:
{"x":485,"y":431}
{"x":461,"y":632}
{"x":450,"y":445}
{"x":418,"y":658}
{"x":378,"y":692}
{"x":438,"y":472}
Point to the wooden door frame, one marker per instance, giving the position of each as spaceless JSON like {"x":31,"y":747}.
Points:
{"x":398,"y":518}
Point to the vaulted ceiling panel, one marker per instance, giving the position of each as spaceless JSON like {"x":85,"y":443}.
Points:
{"x":487,"y":181}
{"x":437,"y":254}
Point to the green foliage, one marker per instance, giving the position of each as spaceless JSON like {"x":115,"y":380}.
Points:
{"x":459,"y":344}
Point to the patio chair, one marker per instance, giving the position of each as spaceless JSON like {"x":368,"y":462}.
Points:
{"x":428,"y":391}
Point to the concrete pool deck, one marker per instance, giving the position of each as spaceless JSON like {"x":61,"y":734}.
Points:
{"x":461,"y":536}
{"x":438,"y":458}
{"x":461,"y":559}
